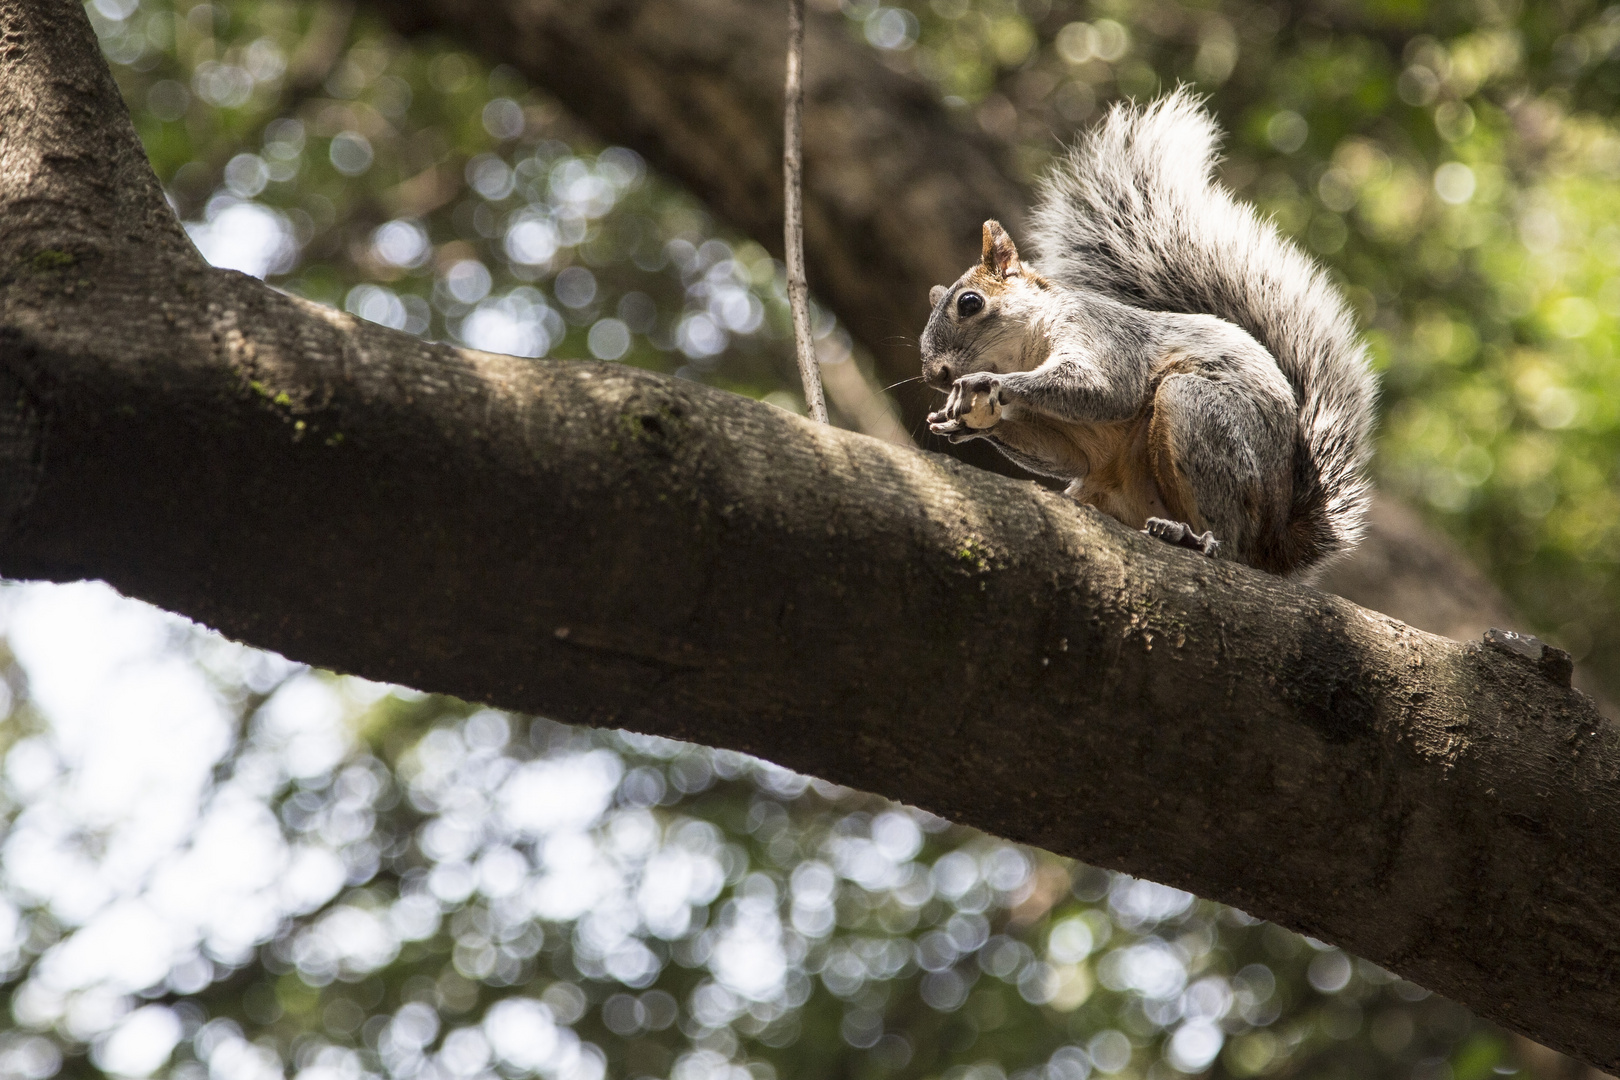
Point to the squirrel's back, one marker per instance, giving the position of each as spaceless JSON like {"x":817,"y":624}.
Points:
{"x":1134,"y":212}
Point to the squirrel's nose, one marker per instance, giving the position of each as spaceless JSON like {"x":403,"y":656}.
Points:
{"x":938,"y":376}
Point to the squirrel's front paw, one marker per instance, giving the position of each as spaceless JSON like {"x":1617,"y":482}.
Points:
{"x":975,"y":400}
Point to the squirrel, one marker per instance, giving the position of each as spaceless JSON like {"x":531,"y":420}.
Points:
{"x":1191,"y":372}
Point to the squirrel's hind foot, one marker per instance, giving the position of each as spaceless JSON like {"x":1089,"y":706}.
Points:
{"x":1181,"y":534}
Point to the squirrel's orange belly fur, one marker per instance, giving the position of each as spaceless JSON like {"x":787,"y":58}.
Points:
{"x":1127,"y":468}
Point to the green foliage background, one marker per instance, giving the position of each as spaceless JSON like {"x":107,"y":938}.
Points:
{"x":1454,"y":163}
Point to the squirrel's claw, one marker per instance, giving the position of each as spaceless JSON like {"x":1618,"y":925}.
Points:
{"x":1180,"y":534}
{"x":952,"y":428}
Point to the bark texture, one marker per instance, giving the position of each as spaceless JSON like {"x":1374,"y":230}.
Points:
{"x":608,"y":546}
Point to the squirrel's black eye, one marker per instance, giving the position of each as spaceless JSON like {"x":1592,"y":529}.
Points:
{"x":969,"y":304}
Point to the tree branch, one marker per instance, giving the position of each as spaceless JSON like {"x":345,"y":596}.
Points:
{"x":798,"y":289}
{"x":71,"y":170}
{"x":607,"y":546}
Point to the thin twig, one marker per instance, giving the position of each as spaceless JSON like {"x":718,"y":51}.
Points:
{"x":793,"y":223}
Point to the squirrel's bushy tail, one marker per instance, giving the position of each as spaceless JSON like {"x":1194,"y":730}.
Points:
{"x":1134,"y":212}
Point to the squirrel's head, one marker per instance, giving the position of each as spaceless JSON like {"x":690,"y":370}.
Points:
{"x":982,"y":322}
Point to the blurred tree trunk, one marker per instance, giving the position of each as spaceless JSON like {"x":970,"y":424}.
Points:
{"x":895,"y":191}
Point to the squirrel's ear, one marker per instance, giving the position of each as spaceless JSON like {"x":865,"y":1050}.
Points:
{"x":1000,"y":256}
{"x":936,"y":294}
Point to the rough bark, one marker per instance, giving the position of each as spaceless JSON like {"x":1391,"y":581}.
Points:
{"x":608,"y":546}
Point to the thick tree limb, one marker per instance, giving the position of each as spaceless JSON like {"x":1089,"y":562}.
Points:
{"x":608,"y":546}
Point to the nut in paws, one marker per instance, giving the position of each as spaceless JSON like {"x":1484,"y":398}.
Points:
{"x":976,"y":400}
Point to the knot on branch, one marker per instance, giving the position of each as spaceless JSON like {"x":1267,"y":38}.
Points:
{"x":1555,"y":664}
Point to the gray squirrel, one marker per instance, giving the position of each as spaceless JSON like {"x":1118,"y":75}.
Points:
{"x":1186,"y":368}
